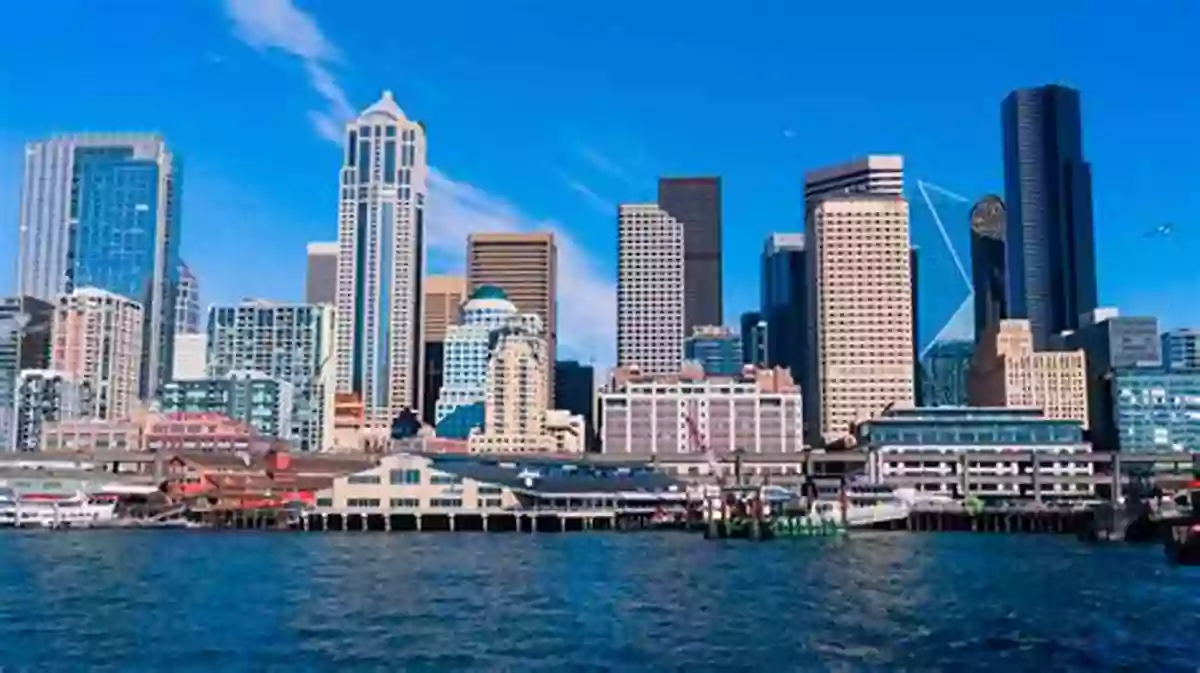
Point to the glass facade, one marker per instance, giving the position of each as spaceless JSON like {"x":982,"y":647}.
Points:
{"x":754,"y":339}
{"x":575,"y":391}
{"x":944,"y":374}
{"x":1050,"y":265}
{"x":288,"y":342}
{"x":25,"y":325}
{"x":124,"y":215}
{"x":718,"y":352}
{"x":261,"y":402}
{"x":987,"y":263}
{"x":967,"y":427}
{"x":1156,"y":409}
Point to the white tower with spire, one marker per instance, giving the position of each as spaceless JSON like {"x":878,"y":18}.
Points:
{"x":380,"y":259}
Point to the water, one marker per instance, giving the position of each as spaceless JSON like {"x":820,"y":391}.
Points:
{"x":188,"y":601}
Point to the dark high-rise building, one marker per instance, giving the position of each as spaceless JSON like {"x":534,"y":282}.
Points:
{"x":1050,"y":266}
{"x":944,"y":374}
{"x":754,"y":339}
{"x":696,"y":203}
{"x":25,"y":325}
{"x":987,"y":263}
{"x":575,"y":391}
{"x":785,"y":302}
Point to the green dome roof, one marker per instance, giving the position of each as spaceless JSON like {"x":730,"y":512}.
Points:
{"x":488,"y":292}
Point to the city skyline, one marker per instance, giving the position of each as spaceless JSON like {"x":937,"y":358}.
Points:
{"x":760,"y":184}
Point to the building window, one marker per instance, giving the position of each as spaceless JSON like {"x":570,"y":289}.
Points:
{"x":324,"y":502}
{"x":445,"y":503}
{"x":444,"y":479}
{"x":405,"y":503}
{"x":490,"y":490}
{"x":359,"y":479}
{"x":362,"y":503}
{"x":401,"y":477}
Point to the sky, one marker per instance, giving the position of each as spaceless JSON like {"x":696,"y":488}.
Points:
{"x":546,"y":114}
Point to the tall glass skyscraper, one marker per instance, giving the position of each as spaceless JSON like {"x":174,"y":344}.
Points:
{"x":988,"y":220}
{"x":124,"y":238}
{"x":382,"y":190}
{"x":1050,"y":260}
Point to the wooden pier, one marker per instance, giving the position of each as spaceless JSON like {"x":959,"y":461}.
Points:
{"x":500,"y":521}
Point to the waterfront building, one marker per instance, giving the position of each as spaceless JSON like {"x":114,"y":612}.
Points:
{"x":1156,"y":409}
{"x":758,"y":411}
{"x":203,"y":432}
{"x":25,"y":329}
{"x":862,"y":317}
{"x":187,"y":302}
{"x":98,"y":342}
{"x":754,"y":339}
{"x":409,"y":483}
{"x":650,"y":295}
{"x":92,"y":434}
{"x":1050,"y":262}
{"x":320,"y":280}
{"x":1008,"y":372}
{"x":271,"y":479}
{"x":191,"y":357}
{"x":265,"y":403}
{"x":525,"y":267}
{"x":516,"y":396}
{"x":695,"y":203}
{"x":1109,"y":342}
{"x":717,"y":349}
{"x":1181,"y":349}
{"x":926,"y":449}
{"x":785,"y":305}
{"x":288,"y":342}
{"x":468,"y":347}
{"x":44,"y":395}
{"x":125,"y":234}
{"x":988,"y":222}
{"x":575,"y":393}
{"x":444,"y":296}
{"x":380,"y":239}
{"x":945,"y":374}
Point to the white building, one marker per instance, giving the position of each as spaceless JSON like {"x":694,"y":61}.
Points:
{"x":382,"y":203}
{"x":862,"y":309}
{"x":191,"y":357}
{"x":650,"y":296}
{"x":98,"y":343}
{"x":873,"y":174}
{"x":757,"y":412}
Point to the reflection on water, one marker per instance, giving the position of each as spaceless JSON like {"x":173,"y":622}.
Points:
{"x":182,"y":601}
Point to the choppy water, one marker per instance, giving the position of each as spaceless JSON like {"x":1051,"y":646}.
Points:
{"x":186,"y":601}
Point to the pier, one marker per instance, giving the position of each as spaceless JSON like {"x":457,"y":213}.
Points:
{"x":497,"y":521}
{"x":1061,"y":521}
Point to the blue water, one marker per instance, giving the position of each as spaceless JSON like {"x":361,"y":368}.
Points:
{"x":202,"y":601}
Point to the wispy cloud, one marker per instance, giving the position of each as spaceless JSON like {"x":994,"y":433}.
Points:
{"x":279,"y":24}
{"x":606,"y":165}
{"x":586,"y":292}
{"x":595,"y":200}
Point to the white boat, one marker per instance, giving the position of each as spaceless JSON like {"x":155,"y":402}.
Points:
{"x":869,"y":504}
{"x":55,"y":510}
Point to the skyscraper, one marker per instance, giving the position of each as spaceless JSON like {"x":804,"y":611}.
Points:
{"x":1050,"y":265}
{"x":525,"y":267}
{"x":754,"y":338}
{"x":987,"y":263}
{"x":872,"y":174}
{"x":784,"y":286}
{"x":320,"y":282}
{"x":381,"y":225}
{"x":696,"y":204}
{"x":650,"y":296}
{"x":25,"y":330}
{"x":125,"y":235}
{"x":293,"y":343}
{"x":187,"y":302}
{"x":575,"y":391}
{"x":45,"y":219}
{"x":1181,"y":349}
{"x":861,"y":298}
{"x":98,"y":343}
{"x":444,"y":296}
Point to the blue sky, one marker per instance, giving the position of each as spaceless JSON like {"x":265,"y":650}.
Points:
{"x":546,"y":114}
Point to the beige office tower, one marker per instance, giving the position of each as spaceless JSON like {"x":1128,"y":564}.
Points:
{"x":650,"y":290}
{"x":525,"y":267}
{"x":515,"y":407}
{"x":98,"y":342}
{"x":444,"y":296}
{"x":1007,"y":372}
{"x":861,"y":293}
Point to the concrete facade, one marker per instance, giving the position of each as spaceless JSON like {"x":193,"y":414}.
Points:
{"x":410,"y":483}
{"x":98,"y":342}
{"x":320,"y":282}
{"x":1008,"y":372}
{"x":650,"y":289}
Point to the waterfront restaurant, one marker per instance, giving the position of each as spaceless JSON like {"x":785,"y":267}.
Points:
{"x":1014,"y":452}
{"x":243,"y":481}
{"x":409,"y":489}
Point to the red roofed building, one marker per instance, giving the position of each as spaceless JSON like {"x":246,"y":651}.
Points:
{"x":185,"y":432}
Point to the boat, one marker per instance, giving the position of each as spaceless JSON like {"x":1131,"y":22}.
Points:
{"x":863,"y":504}
{"x":55,"y":510}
